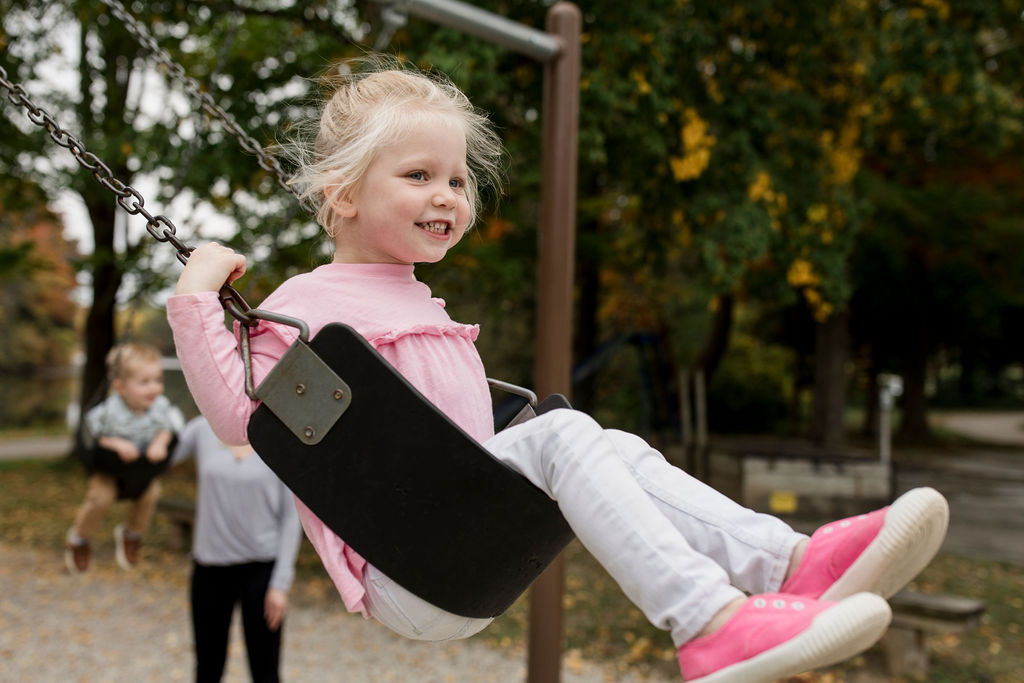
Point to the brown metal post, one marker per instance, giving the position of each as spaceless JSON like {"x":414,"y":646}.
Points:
{"x":556,"y":271}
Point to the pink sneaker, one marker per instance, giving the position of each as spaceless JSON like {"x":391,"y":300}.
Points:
{"x":775,"y":635}
{"x":879,"y":552}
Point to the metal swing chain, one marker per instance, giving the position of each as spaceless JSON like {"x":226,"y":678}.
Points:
{"x":128,"y":198}
{"x":192,"y":87}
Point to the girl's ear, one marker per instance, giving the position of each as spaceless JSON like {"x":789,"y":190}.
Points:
{"x":343,"y":205}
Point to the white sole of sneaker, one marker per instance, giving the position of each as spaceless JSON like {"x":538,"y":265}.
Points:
{"x":847,"y":629}
{"x":69,"y":554}
{"x":914,"y":529}
{"x":122,"y":558}
{"x":69,"y":562}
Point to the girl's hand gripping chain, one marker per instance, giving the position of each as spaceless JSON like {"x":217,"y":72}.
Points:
{"x":209,"y":268}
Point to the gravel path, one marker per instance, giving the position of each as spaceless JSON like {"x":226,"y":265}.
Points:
{"x":1002,"y":428}
{"x":109,"y":625}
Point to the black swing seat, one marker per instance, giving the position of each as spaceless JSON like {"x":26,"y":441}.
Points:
{"x":133,"y":478}
{"x":395,"y":478}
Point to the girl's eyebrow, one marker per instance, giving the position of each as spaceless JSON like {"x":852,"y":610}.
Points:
{"x":416,"y":157}
{"x":425,"y":161}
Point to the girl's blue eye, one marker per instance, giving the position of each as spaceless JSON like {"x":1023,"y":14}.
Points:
{"x":456,"y":183}
{"x":417,"y":175}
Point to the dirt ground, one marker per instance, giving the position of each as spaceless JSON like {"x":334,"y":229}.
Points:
{"x":111,"y":625}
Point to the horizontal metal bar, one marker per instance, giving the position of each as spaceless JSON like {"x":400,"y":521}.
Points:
{"x":514,"y":389}
{"x":477,"y":22}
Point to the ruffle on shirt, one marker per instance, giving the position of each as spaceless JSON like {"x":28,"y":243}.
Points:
{"x":452,"y":329}
{"x":287,"y":334}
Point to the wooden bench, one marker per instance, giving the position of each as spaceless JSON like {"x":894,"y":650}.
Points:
{"x":181,"y":512}
{"x":916,"y":615}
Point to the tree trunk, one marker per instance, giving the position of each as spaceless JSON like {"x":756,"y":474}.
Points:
{"x":585,"y":338}
{"x":871,"y":406}
{"x":717,"y":340}
{"x":107,"y":274}
{"x":793,"y":409}
{"x":967,"y":386}
{"x":914,"y":425}
{"x":100,"y":126}
{"x":832,"y":353}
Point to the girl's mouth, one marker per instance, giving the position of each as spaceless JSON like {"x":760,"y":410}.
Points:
{"x":435,"y":227}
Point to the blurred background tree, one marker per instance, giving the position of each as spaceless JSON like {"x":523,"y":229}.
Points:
{"x":81,"y":64}
{"x":36,"y":281}
{"x":790,"y":199}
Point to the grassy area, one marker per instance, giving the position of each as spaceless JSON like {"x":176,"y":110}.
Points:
{"x":38,"y":500}
{"x":34,"y":431}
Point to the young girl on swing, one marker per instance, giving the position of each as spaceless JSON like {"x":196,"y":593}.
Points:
{"x":395,"y":170}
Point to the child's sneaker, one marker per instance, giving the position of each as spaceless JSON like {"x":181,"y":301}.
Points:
{"x":879,"y":552}
{"x":77,"y":553}
{"x":127,"y":546}
{"x":776,"y":635}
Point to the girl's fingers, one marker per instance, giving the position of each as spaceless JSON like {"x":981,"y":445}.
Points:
{"x":209,"y":268}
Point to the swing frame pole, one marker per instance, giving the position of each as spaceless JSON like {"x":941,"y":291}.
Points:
{"x":558,"y":48}
{"x":556,"y":247}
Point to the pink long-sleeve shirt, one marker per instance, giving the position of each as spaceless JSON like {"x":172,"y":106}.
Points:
{"x":394,"y":312}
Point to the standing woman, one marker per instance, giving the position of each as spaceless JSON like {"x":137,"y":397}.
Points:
{"x":246,"y":539}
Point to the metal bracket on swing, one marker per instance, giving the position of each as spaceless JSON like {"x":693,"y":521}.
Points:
{"x":529,"y":411}
{"x":305,"y":394}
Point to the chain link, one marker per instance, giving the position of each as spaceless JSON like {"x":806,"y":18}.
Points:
{"x":128,"y":198}
{"x":192,"y":87}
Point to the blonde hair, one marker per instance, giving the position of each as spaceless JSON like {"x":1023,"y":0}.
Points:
{"x":375,"y":106}
{"x":124,"y":358}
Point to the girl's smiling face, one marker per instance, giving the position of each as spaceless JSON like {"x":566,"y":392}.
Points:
{"x":411,"y":205}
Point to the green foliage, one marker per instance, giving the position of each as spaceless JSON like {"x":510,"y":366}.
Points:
{"x":749,"y":392}
{"x":737,"y":148}
{"x":941,"y":271}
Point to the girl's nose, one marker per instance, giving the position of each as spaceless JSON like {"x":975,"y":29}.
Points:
{"x":445,"y":196}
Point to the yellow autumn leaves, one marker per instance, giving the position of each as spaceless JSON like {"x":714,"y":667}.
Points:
{"x":801,"y":276}
{"x":697,"y":145}
{"x":842,"y":155}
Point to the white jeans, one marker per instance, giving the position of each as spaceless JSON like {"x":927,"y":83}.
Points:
{"x":411,"y":616}
{"x":679,"y":549}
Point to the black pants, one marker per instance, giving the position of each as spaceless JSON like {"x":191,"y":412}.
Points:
{"x":215,"y":591}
